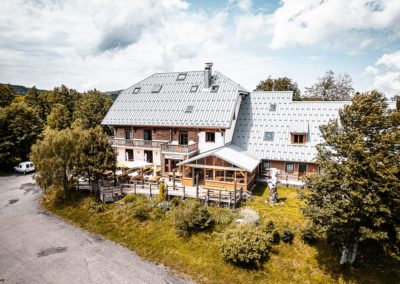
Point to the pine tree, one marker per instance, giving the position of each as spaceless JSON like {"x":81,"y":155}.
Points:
{"x":356,"y":197}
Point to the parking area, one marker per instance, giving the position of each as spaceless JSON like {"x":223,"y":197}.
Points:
{"x":37,"y":247}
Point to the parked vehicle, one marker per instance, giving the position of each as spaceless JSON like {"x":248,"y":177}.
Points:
{"x":25,"y":167}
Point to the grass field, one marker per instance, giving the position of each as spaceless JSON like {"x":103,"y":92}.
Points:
{"x":198,"y":257}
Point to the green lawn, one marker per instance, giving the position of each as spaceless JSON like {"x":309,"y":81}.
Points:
{"x":199,"y":258}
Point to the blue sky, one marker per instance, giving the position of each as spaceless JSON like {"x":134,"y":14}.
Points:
{"x":110,"y":45}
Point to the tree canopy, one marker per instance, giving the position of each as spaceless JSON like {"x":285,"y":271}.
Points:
{"x":280,"y":84}
{"x":332,"y":88}
{"x":7,"y":95}
{"x":356,"y":197}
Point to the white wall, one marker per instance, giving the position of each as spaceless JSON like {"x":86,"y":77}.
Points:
{"x":138,"y":154}
{"x":206,"y":146}
{"x":229,"y":132}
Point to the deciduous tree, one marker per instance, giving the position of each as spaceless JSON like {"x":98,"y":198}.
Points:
{"x":59,"y":117}
{"x":356,"y":197}
{"x":280,"y":84}
{"x":7,"y":95}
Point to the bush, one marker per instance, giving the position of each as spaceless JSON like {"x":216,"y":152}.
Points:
{"x":96,"y":207}
{"x":191,"y":216}
{"x":287,"y":236}
{"x":248,"y":215}
{"x":138,"y":206}
{"x":269,"y":228}
{"x":223,"y":216}
{"x":175,"y":201}
{"x":129,"y":198}
{"x":309,"y":236}
{"x":164,"y":206}
{"x":245,"y":245}
{"x":162,"y":192}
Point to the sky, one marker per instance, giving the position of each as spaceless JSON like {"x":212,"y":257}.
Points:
{"x":111,"y":44}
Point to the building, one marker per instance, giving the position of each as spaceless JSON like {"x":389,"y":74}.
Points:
{"x":213,"y":131}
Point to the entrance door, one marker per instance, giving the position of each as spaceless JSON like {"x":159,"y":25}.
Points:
{"x":200,"y":173}
{"x":302,"y":169}
{"x":148,"y":156}
{"x":183,"y":138}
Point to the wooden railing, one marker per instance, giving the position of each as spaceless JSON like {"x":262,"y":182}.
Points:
{"x":179,"y":148}
{"x":135,"y":143}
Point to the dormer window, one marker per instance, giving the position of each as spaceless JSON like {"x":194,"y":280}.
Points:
{"x":156,"y":88}
{"x":268,"y":136}
{"x":189,"y":109}
{"x":298,"y":138}
{"x":272,"y":107}
{"x":181,"y":77}
{"x":136,"y":90}
{"x":194,"y":88}
{"x":214,"y":88}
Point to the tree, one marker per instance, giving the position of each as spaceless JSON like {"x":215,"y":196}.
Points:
{"x":19,"y":128}
{"x":95,"y":154}
{"x":331,"y":88}
{"x":7,"y":95}
{"x":55,"y":158}
{"x":92,"y":108}
{"x":356,"y":197}
{"x":280,"y":84}
{"x":36,"y":99}
{"x":59,"y":117}
{"x":64,"y":96}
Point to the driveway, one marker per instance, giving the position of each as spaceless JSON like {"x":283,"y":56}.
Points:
{"x":37,"y":247}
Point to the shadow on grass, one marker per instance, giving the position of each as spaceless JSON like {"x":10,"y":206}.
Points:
{"x":371,"y":266}
{"x":259,"y":190}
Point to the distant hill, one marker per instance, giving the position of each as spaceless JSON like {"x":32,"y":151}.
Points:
{"x":22,"y":90}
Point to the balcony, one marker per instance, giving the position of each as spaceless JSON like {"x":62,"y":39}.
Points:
{"x":135,"y":143}
{"x":185,"y":149}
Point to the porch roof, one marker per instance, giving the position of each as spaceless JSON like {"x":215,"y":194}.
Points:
{"x":231,"y":154}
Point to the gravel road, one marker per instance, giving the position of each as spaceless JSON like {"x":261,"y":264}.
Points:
{"x":37,"y":247}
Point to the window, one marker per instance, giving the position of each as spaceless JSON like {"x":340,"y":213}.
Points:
{"x":209,"y":174}
{"x":299,"y":138}
{"x":268,"y":136}
{"x":302,"y":168}
{"x":147,"y":135}
{"x":189,"y":109}
{"x":194,"y":88}
{"x":210,"y":136}
{"x":183,"y":138}
{"x":272,"y":107}
{"x":136,"y":90}
{"x":266,"y":165}
{"x":128,"y":134}
{"x":214,"y":88}
{"x":128,"y":154}
{"x":156,"y":88}
{"x":181,"y":77}
{"x":148,"y":156}
{"x":289,"y":168}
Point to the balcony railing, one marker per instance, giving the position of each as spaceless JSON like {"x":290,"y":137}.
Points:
{"x":135,"y":143}
{"x":170,"y":148}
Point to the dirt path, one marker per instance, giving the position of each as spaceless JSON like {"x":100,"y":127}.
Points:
{"x":37,"y":247}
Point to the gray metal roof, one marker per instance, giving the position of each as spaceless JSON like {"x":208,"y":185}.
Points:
{"x":255,"y":118}
{"x":231,"y":154}
{"x":167,"y":108}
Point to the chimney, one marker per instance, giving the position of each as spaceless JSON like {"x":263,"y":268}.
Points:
{"x":208,"y":75}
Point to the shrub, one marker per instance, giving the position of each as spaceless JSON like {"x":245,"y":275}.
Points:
{"x":129,"y":198}
{"x":138,"y":206}
{"x":309,"y":236}
{"x":96,"y":207}
{"x":248,"y":215}
{"x":164,"y":206}
{"x":191,"y":216}
{"x":245,"y":245}
{"x":162,"y":192}
{"x":223,"y":216}
{"x":141,"y":211}
{"x":269,"y":228}
{"x":287,"y":236}
{"x":175,"y":201}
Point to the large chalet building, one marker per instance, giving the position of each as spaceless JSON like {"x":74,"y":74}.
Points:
{"x":214,"y":131}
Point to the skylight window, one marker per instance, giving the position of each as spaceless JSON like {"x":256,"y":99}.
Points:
{"x":268,"y":136}
{"x":136,"y":90}
{"x":181,"y":77}
{"x":189,"y":109}
{"x":156,"y":88}
{"x":272,"y":107}
{"x":214,"y":88}
{"x":194,"y":88}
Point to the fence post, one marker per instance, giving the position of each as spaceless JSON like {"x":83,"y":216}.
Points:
{"x":134,"y":187}
{"x":183,"y":192}
{"x":235,"y":192}
{"x":150,"y":189}
{"x":197,"y":186}
{"x":220,"y":196}
{"x":173,"y":180}
{"x":230,"y":198}
{"x":166,"y":192}
{"x":208,"y":196}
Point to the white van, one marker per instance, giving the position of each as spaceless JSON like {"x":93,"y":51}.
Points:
{"x":25,"y":167}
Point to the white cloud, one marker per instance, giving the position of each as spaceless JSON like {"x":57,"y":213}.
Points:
{"x":370,"y":70}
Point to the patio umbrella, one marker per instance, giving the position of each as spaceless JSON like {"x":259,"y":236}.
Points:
{"x":137,"y":164}
{"x":121,"y":164}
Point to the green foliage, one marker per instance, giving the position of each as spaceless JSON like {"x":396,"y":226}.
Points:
{"x":129,"y":198}
{"x":331,"y":88}
{"x":165,"y":206}
{"x":7,"y":95}
{"x":223,"y":216}
{"x":191,"y":216}
{"x":137,"y":206}
{"x":19,"y":128}
{"x":269,"y":228}
{"x":162,"y":192}
{"x":97,"y":207}
{"x":245,"y":244}
{"x":280,"y":84}
{"x":175,"y":201}
{"x":287,"y":236}
{"x":59,"y":117}
{"x":356,"y":197}
{"x":91,"y":108}
{"x":37,"y":100}
{"x":309,"y":236}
